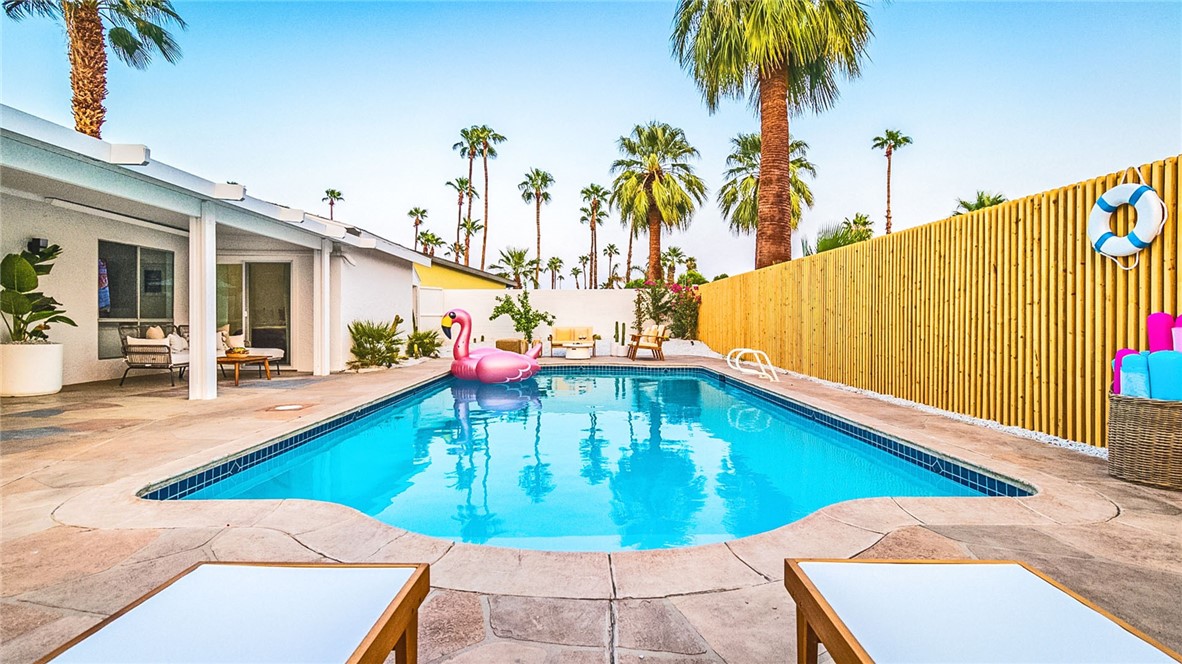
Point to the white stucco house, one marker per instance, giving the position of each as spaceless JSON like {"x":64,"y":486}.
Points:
{"x":176,"y":248}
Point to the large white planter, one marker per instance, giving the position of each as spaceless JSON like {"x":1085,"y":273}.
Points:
{"x":28,"y":370}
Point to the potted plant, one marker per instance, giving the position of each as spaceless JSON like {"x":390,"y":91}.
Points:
{"x":525,"y":318}
{"x":29,"y":363}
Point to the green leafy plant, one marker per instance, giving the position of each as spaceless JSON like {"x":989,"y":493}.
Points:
{"x":29,"y":311}
{"x":375,"y":343}
{"x":683,"y":311}
{"x":691,"y":278}
{"x":655,"y":303}
{"x":525,"y":318}
{"x":422,"y":343}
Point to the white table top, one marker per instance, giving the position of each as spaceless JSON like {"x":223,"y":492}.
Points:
{"x":951,"y":613}
{"x":240,"y":613}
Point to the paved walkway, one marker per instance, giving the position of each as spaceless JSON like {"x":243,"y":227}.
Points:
{"x":77,"y":544}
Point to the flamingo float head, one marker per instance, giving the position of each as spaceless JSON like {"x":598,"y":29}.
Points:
{"x":453,"y":317}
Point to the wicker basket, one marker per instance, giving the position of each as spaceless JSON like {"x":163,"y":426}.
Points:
{"x":1145,"y":441}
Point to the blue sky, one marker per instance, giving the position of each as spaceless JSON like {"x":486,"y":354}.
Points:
{"x":293,"y":98}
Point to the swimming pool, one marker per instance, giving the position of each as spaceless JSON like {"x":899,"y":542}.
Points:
{"x":587,"y":459}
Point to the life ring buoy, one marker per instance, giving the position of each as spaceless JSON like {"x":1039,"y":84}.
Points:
{"x":1150,"y":219}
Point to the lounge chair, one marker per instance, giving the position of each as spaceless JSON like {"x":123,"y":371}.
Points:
{"x":265,"y":612}
{"x":952,"y":611}
{"x":651,"y":340}
{"x":564,"y":336}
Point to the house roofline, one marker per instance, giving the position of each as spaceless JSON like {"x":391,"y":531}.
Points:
{"x":136,"y":160}
{"x":467,"y":269}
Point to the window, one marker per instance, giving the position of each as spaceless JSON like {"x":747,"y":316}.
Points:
{"x":135,"y":287}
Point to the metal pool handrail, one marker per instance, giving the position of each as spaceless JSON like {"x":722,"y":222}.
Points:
{"x":763,"y":365}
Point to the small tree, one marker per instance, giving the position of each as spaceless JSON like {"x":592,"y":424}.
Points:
{"x":525,"y":318}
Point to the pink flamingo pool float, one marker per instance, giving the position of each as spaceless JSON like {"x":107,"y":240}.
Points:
{"x":487,"y":365}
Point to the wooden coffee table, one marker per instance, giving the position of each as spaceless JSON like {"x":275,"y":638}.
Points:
{"x":247,"y":360}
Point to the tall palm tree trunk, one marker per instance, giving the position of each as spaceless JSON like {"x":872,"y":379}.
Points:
{"x":467,"y":247}
{"x":88,"y":64}
{"x":773,"y":237}
{"x":330,"y":204}
{"x":594,"y":265}
{"x":628,"y":261}
{"x":471,"y":161}
{"x":416,"y":235}
{"x":538,"y":219}
{"x":484,"y":242}
{"x":459,"y":214}
{"x":553,"y":280}
{"x":654,"y":273}
{"x":889,"y":149}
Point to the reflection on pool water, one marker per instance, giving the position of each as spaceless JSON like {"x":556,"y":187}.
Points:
{"x":578,"y":461}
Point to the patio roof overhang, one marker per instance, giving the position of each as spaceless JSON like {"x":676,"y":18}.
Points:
{"x":48,"y":161}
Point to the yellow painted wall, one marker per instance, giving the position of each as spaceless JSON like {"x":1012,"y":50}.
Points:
{"x":439,"y":276}
{"x":1005,"y":314}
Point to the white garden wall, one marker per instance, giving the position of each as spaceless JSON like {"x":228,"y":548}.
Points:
{"x":371,"y":286}
{"x":600,"y":309}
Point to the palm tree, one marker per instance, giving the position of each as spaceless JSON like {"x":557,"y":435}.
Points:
{"x":332,"y":196}
{"x":634,"y":227}
{"x":533,"y":188}
{"x":585,"y":216}
{"x":455,"y":250}
{"x":611,"y":251}
{"x":860,"y":225}
{"x":786,"y":55}
{"x":554,"y":266}
{"x":135,"y":31}
{"x":984,"y":199}
{"x":655,"y":182}
{"x":488,"y":138}
{"x":575,"y":272}
{"x":596,"y":197}
{"x":833,"y":236}
{"x":463,"y":187}
{"x":514,"y":263}
{"x":890,"y":141}
{"x":583,"y":260}
{"x":671,"y":259}
{"x":430,"y":242}
{"x":738,"y":198}
{"x":469,"y":147}
{"x":418,"y":214}
{"x":470,"y":227}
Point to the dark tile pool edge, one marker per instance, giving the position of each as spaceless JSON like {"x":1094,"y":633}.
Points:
{"x":979,"y":479}
{"x":192,"y":481}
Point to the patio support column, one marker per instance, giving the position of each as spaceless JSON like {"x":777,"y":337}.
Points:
{"x":322,"y":310}
{"x":203,"y":304}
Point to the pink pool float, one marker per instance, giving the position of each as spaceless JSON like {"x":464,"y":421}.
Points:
{"x":487,"y":365}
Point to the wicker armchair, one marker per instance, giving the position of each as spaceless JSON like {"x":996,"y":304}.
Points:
{"x":150,"y":354}
{"x":650,"y":340}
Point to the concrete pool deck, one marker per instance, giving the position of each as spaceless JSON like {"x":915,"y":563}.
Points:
{"x":77,"y":544}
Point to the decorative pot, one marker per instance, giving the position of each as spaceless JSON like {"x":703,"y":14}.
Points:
{"x":619,"y":350}
{"x":28,"y":370}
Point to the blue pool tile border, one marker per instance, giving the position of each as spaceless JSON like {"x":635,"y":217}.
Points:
{"x":986,"y":484}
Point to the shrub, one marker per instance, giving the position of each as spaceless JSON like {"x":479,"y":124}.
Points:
{"x":684,"y":311}
{"x":31,"y":311}
{"x":720,"y":277}
{"x":423,"y":343}
{"x":375,"y":343}
{"x":691,"y":278}
{"x":525,"y":318}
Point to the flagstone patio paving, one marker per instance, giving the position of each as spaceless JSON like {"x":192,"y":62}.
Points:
{"x":76,"y":544}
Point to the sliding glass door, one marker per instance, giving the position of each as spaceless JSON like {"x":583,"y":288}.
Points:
{"x":254,"y":298}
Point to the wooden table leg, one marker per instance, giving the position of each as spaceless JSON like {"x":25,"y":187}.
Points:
{"x":406,"y":651}
{"x":237,"y":366}
{"x":806,"y":640}
{"x":267,"y":368}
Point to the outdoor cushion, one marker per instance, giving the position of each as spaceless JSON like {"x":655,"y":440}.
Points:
{"x":180,"y":357}
{"x":565,"y":334}
{"x":139,"y":341}
{"x":236,"y":341}
{"x":178,"y":342}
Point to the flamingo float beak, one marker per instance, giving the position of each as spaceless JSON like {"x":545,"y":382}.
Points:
{"x":446,"y":325}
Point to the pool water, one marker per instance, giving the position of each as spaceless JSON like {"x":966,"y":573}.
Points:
{"x":585,"y":462}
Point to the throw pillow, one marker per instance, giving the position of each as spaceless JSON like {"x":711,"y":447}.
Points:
{"x":178,"y":343}
{"x":154,"y":332}
{"x":236,"y":341}
{"x":143,"y":341}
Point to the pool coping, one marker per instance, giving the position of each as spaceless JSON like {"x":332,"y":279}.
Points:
{"x":980,"y":479}
{"x":337,"y":532}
